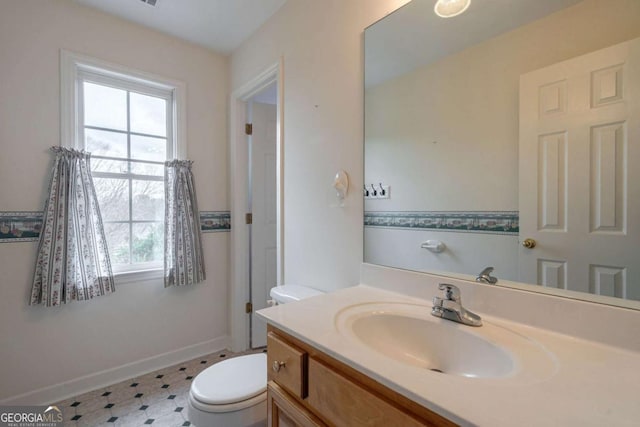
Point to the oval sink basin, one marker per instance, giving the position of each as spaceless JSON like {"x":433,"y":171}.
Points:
{"x":433,"y":346}
{"x":408,"y":334}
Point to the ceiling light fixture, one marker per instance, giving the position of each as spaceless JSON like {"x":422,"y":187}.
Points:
{"x":450,"y":8}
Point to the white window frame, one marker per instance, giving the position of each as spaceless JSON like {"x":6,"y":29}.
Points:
{"x":74,"y":68}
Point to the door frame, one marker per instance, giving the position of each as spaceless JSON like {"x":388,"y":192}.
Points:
{"x":239,"y":320}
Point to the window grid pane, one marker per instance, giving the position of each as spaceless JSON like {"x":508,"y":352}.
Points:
{"x":148,"y":114}
{"x":147,"y":241}
{"x":104,"y":106}
{"x":113,"y":197}
{"x":134,"y":229}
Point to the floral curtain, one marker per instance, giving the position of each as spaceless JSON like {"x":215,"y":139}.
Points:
{"x":183,"y":258}
{"x":73,"y":261}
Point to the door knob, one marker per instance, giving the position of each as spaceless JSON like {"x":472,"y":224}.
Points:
{"x":529,"y":243}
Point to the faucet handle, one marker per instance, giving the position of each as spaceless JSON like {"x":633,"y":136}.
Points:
{"x":486,"y":277}
{"x":451,"y":292}
{"x":486,"y":271}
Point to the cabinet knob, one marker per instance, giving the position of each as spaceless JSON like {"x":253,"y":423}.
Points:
{"x":277,"y":365}
{"x":529,"y":243}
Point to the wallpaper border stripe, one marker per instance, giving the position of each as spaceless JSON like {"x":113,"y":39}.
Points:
{"x":25,"y":226}
{"x":20,"y":226}
{"x":483,"y":222}
{"x":215,"y":221}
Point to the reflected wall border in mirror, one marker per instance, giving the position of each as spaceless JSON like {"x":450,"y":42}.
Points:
{"x":505,"y":223}
{"x":505,"y":123}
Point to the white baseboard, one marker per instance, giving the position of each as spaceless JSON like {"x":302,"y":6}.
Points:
{"x":65,"y":390}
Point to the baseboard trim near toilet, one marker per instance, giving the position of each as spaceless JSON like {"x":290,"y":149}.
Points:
{"x":65,"y":390}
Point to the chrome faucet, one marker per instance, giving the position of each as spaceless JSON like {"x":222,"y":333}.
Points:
{"x":450,"y":307}
{"x":486,"y":277}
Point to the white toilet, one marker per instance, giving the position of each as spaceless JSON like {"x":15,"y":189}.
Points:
{"x":233,"y":393}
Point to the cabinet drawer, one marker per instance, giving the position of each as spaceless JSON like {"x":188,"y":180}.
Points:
{"x":287,"y":365}
{"x":284,"y":411}
{"x":345,"y":403}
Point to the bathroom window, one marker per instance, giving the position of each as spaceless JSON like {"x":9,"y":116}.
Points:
{"x":128,"y":123}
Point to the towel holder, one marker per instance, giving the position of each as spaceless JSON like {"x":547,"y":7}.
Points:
{"x":435,"y":246}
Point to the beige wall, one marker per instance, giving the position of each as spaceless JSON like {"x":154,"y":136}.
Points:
{"x":321,"y":43}
{"x":43,"y":347}
{"x":445,"y":136}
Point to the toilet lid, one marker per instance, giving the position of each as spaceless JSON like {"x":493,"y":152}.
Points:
{"x":231,"y":381}
{"x":288,"y":293}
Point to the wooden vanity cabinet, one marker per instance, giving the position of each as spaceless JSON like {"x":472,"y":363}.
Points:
{"x":308,"y":388}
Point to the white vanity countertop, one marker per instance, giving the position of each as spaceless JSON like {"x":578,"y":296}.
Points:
{"x":592,"y":384}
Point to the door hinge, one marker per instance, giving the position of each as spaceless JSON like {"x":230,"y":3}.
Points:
{"x":248,"y":308}
{"x":248,"y":129}
{"x":248,"y":218}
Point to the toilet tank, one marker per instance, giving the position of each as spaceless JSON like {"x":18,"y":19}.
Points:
{"x":287,"y":293}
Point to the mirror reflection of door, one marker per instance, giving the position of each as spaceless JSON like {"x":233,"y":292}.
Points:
{"x":579,"y":199}
{"x":263,"y":207}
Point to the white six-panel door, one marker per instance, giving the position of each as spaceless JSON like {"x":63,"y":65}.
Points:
{"x":263,"y":206}
{"x":580,"y":173}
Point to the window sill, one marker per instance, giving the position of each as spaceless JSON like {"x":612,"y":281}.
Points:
{"x":138,"y":276}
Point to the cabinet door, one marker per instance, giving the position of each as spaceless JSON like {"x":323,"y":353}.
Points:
{"x":344,"y":403}
{"x":284,"y":411}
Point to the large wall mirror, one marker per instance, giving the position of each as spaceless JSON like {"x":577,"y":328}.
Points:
{"x":507,"y":136}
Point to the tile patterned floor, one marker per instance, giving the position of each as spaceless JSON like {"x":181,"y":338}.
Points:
{"x":158,"y":399}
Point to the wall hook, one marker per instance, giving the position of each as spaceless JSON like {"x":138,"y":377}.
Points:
{"x":366,"y":191}
{"x":374,"y":192}
{"x":382,"y":191}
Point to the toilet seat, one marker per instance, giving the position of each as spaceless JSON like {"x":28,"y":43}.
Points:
{"x":229,"y":407}
{"x":231,"y":385}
